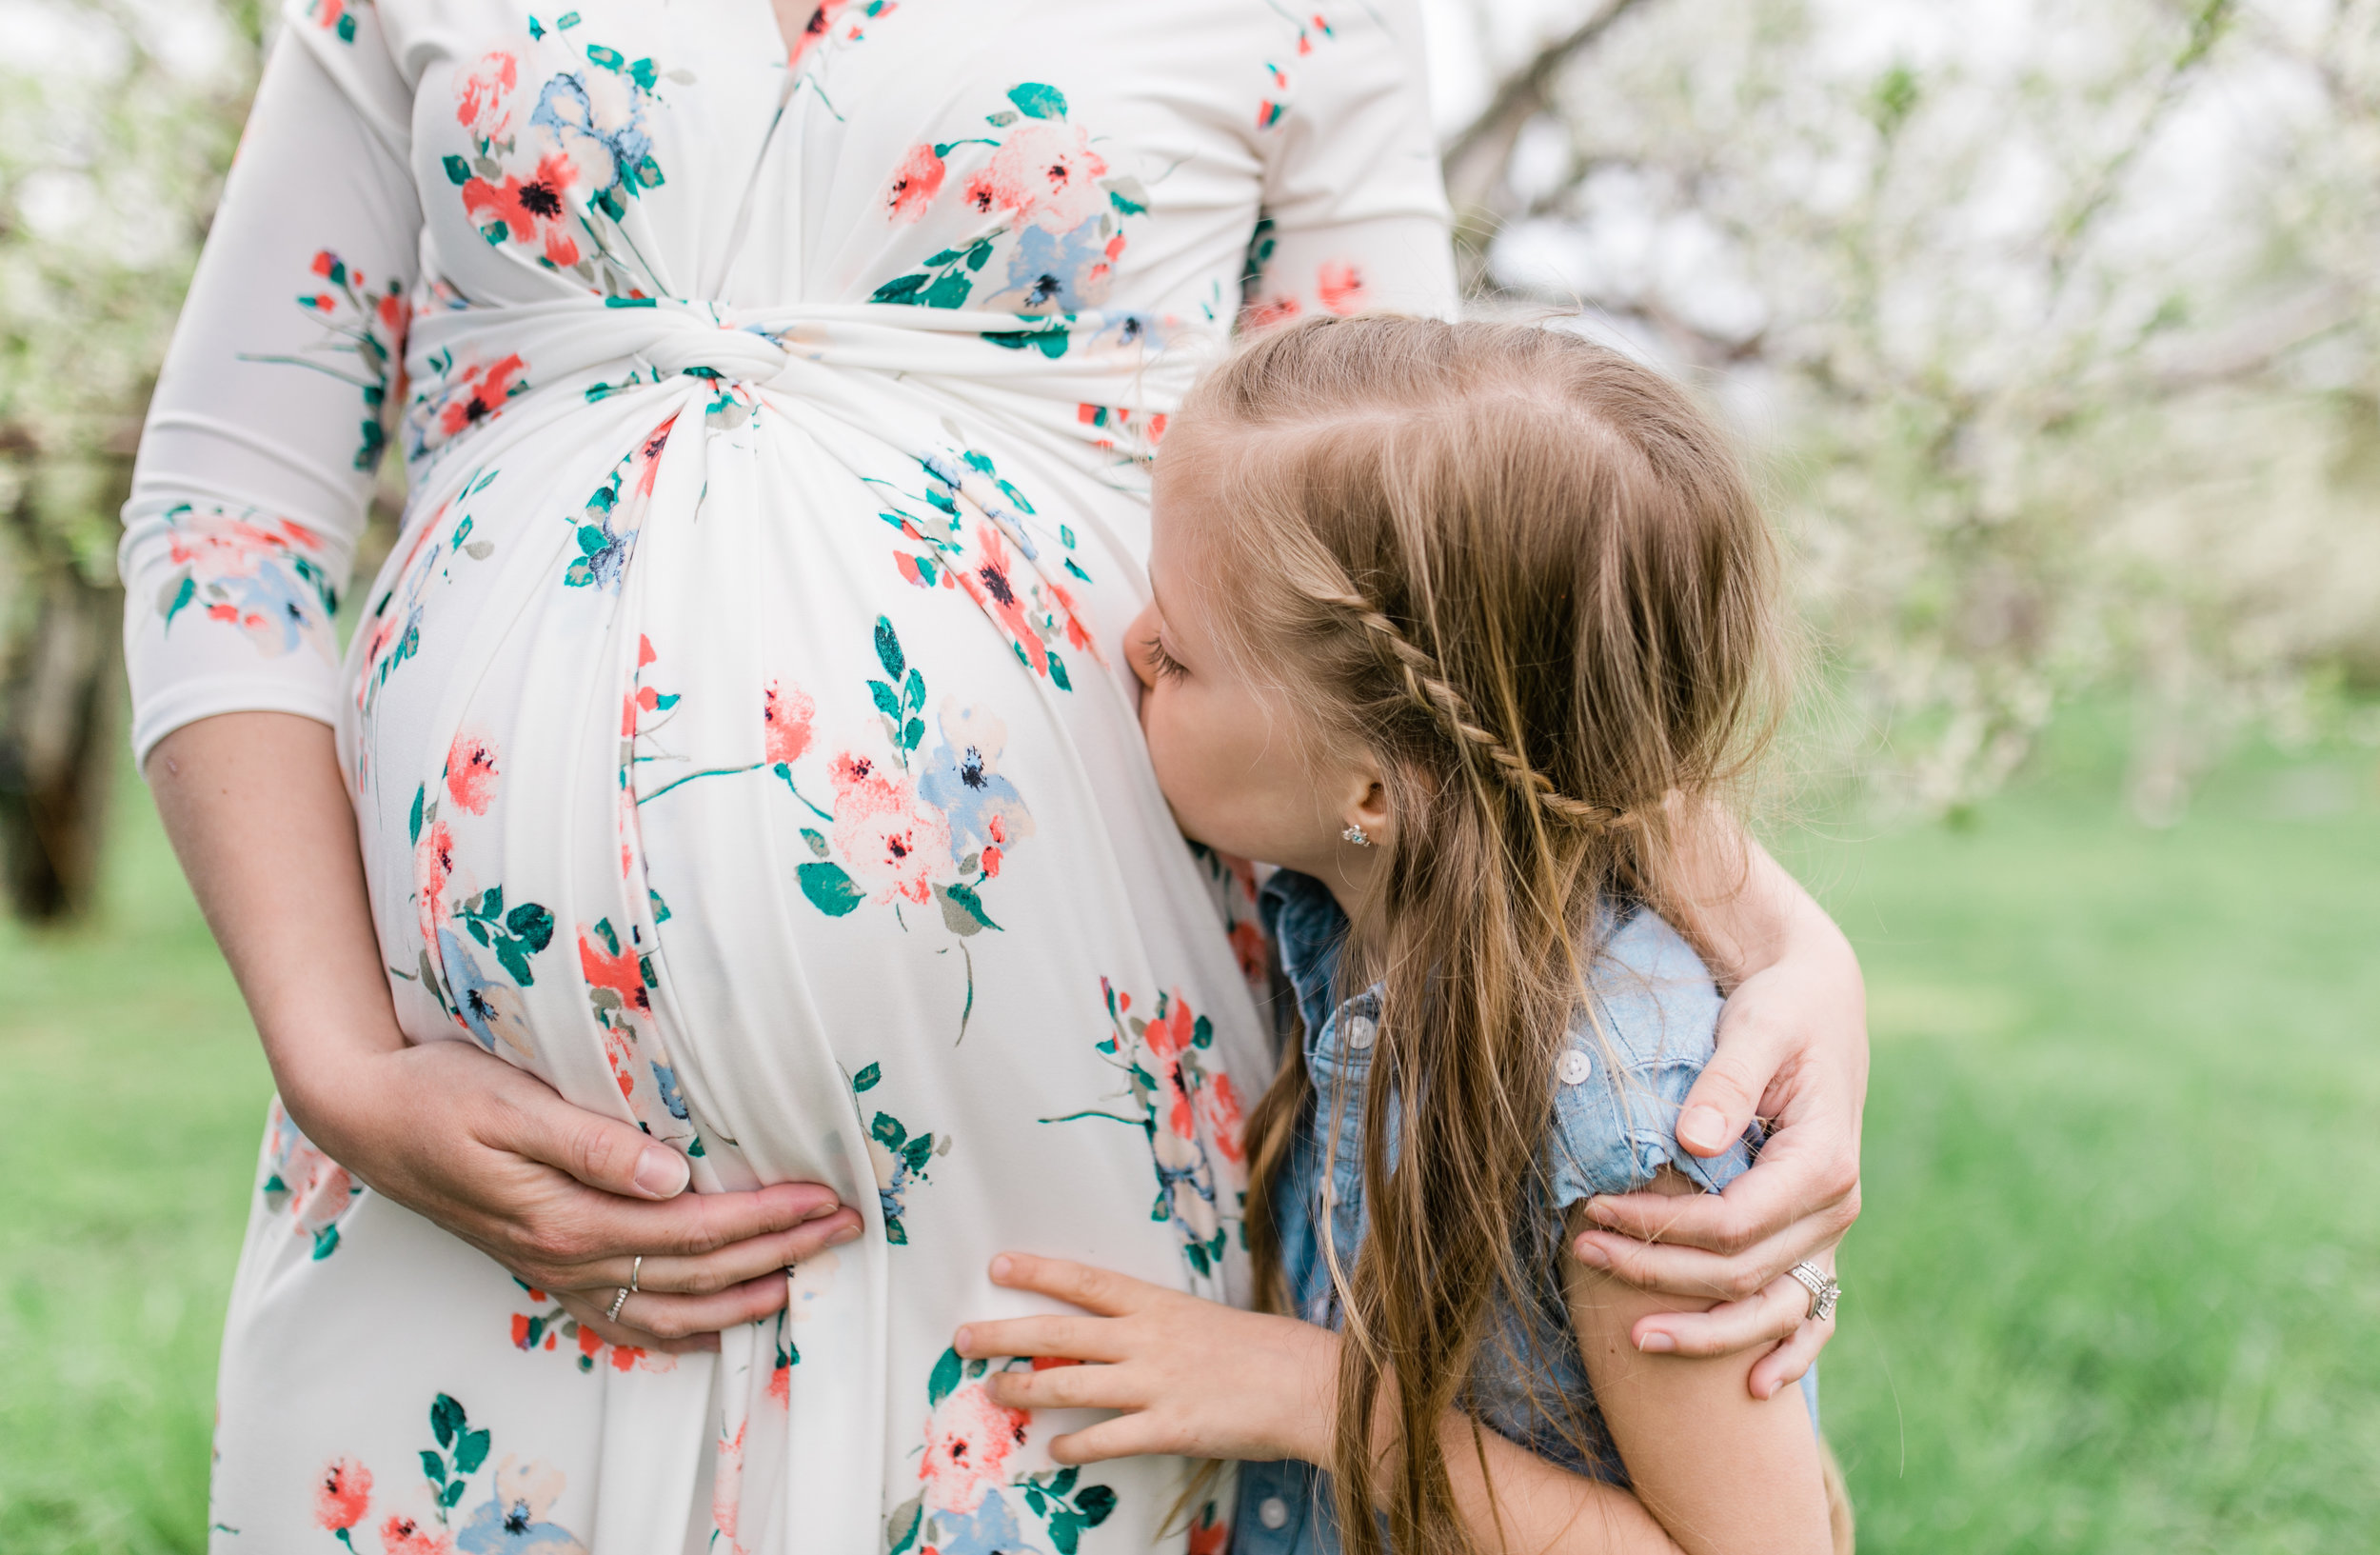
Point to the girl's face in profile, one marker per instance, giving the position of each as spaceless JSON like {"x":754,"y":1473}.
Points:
{"x":1223,"y":741}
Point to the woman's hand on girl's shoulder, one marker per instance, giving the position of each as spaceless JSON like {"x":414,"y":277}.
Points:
{"x":567,"y":1200}
{"x":1189,"y":1377}
{"x":1793,"y":1052}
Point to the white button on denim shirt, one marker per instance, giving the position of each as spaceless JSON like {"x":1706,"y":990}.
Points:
{"x":1656,"y":1007}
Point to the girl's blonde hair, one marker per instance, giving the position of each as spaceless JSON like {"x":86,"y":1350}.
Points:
{"x":1527,"y":576}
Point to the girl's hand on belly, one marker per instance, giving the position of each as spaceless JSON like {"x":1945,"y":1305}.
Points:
{"x":1192,"y":1378}
{"x":567,"y":1199}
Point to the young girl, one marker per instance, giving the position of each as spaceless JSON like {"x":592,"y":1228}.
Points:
{"x":1458,"y":624}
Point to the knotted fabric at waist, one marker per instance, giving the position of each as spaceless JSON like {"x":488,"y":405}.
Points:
{"x":473,"y":366}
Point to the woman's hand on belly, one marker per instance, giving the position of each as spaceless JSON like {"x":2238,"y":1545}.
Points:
{"x":563,"y":1198}
{"x":567,"y":1199}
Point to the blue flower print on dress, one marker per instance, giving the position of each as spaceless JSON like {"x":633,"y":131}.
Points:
{"x":986,"y":812}
{"x":596,"y":118}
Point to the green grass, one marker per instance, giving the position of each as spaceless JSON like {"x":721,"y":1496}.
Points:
{"x":2117,"y":1287}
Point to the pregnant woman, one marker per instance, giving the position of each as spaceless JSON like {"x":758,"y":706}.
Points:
{"x":738,"y":743}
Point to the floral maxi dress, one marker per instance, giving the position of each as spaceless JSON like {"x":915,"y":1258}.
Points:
{"x":737,"y":730}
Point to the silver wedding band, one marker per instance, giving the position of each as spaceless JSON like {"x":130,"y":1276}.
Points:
{"x":617,"y":1303}
{"x":1824,"y":1288}
{"x":636,"y":1271}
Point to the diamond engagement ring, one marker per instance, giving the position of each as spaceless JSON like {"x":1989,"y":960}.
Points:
{"x":617,"y":1303}
{"x":1825,"y":1290}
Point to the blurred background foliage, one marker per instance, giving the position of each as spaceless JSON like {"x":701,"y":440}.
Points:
{"x":2054,"y":324}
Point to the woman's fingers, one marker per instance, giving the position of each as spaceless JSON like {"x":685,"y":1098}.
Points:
{"x":1094,"y":1289}
{"x":751,"y":1259}
{"x":1072,"y":1338}
{"x":598,"y":1151}
{"x":580,"y":1227}
{"x":1691,"y":1271}
{"x":591,"y":1315}
{"x":1753,"y":1046}
{"x":1784,"y":1365}
{"x":682,"y":1317}
{"x":1791,"y":1197}
{"x":1775,"y":1312}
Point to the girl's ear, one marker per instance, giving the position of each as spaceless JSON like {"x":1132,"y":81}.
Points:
{"x":1367,"y":803}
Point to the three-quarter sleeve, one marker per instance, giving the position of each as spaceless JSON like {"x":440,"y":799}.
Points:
{"x":256,"y":465}
{"x":1621,"y":1084}
{"x":1354,"y":210}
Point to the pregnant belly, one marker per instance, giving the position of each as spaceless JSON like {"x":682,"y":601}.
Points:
{"x":774,"y":786}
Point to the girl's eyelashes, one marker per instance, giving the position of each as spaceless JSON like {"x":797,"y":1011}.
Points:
{"x":1164,"y":664}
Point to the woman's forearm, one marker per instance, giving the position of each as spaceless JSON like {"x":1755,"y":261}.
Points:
{"x":260,"y":821}
{"x":1748,"y":912}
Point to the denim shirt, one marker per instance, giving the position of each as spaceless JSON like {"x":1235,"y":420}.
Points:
{"x":1610,"y":1133}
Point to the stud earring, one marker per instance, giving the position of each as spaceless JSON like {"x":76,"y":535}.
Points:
{"x":1356,"y":834}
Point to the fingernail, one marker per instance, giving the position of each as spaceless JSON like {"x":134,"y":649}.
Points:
{"x":1703,"y":1130}
{"x":1656,"y":1343}
{"x":820,"y":1213}
{"x":1599,"y":1210}
{"x":1000,"y":1267}
{"x":848,"y":1234}
{"x":661,"y":1174}
{"x":1592,"y":1253}
{"x":963,"y":1341}
{"x":1765,"y":1392}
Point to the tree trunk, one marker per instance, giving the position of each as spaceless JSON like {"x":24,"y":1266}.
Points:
{"x":58,"y":727}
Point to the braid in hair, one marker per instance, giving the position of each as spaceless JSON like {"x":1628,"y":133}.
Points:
{"x":1430,"y":691}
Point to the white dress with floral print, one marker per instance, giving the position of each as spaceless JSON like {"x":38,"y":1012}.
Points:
{"x":738,"y":732}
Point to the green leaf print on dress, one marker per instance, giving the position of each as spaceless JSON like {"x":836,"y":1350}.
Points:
{"x":906,"y":823}
{"x":355,"y":322}
{"x":314,"y":1190}
{"x":421,"y":1519}
{"x":451,"y":907}
{"x":970,"y":1503}
{"x":551,"y":172}
{"x":1059,"y":213}
{"x":1033,"y":611}
{"x":900,"y":1157}
{"x":1177,"y":1091}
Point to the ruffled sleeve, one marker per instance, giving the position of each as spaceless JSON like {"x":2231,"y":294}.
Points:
{"x":1354,"y":214}
{"x":1618,"y":1087}
{"x":257,"y":462}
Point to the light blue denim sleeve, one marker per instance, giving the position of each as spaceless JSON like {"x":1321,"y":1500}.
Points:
{"x":1633,"y":1055}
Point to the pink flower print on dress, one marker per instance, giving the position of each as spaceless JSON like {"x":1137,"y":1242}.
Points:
{"x":969,"y":1442}
{"x":341,"y":1495}
{"x":814,"y":31}
{"x":620,"y":970}
{"x":1342,"y":288}
{"x":914,"y":184}
{"x":481,"y":395}
{"x":1045,"y":173}
{"x":484,"y":98}
{"x":785,"y":718}
{"x":404,"y":1535}
{"x":535,"y":209}
{"x":471,"y":770}
{"x":433,"y":867}
{"x":892,"y":843}
{"x":727,"y":1488}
